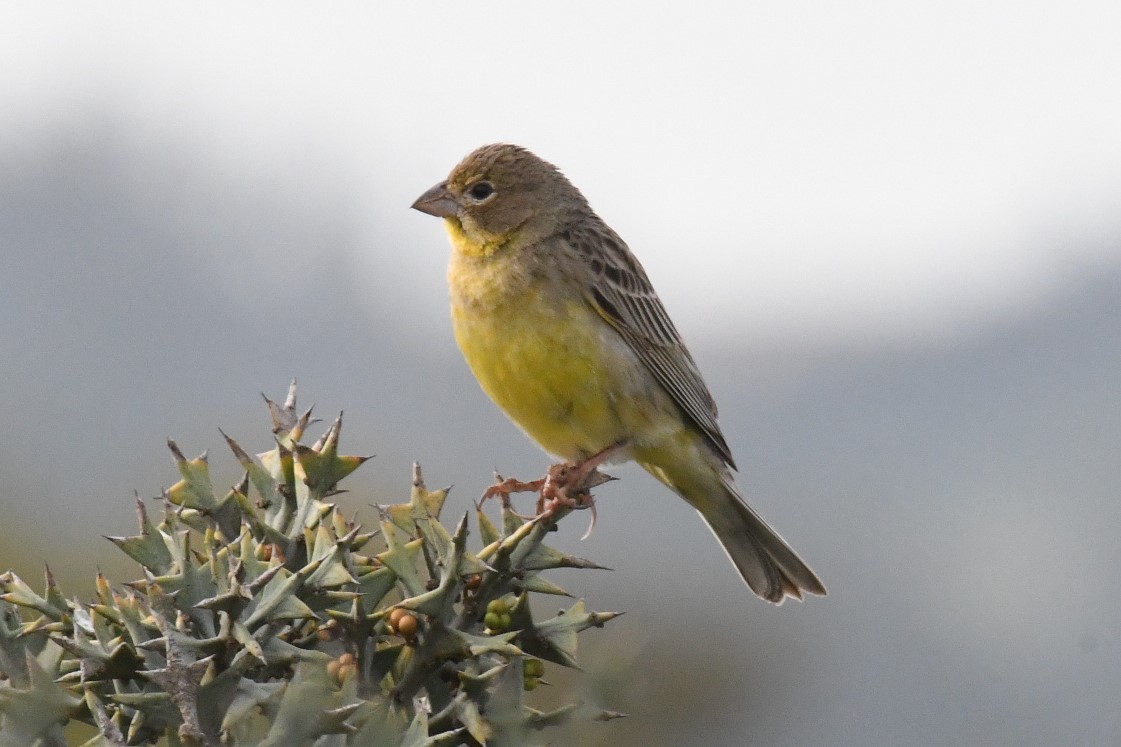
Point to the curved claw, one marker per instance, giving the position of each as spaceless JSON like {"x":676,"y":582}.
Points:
{"x":564,"y":486}
{"x":592,"y":523}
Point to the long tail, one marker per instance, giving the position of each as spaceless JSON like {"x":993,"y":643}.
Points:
{"x":767,"y":564}
{"x":695,"y":472}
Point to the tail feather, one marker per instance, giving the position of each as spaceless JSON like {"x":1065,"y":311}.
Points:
{"x":690,"y":467}
{"x":763,"y":558}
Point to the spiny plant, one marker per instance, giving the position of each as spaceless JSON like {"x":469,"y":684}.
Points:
{"x":275,"y":620}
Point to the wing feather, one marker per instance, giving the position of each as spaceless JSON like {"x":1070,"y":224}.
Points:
{"x":622,"y":294}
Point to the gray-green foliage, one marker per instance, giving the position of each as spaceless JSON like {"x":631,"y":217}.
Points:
{"x":266,"y":617}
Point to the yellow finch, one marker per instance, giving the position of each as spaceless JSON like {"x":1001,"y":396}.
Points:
{"x":563,"y":330}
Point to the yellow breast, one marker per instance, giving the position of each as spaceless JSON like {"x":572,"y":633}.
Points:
{"x":544,"y":355}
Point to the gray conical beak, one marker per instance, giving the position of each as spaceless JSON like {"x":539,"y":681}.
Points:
{"x":437,"y":201}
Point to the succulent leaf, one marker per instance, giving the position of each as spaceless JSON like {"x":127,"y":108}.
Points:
{"x":263,"y":620}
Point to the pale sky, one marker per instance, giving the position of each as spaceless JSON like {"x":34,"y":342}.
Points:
{"x":828,"y":170}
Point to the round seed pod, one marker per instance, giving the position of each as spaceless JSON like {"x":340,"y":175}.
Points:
{"x":395,"y":617}
{"x":407,"y":625}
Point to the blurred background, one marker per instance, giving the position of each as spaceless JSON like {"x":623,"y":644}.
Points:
{"x":890,"y":234}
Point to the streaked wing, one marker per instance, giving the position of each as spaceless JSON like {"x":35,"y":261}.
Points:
{"x":623,"y":295}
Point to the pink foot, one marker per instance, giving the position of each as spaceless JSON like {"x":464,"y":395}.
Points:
{"x":569,"y":486}
{"x":505,"y":487}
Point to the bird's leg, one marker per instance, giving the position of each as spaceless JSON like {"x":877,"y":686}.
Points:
{"x":568,"y":486}
{"x":503,"y":488}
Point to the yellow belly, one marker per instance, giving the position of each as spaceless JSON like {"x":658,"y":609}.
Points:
{"x":553,"y":370}
{"x":547,"y":359}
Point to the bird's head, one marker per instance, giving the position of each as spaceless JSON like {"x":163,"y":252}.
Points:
{"x":502,"y":191}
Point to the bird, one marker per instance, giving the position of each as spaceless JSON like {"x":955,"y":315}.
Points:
{"x":562,"y":328}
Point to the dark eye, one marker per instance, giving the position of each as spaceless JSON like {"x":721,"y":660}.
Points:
{"x":481,"y":191}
